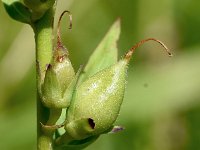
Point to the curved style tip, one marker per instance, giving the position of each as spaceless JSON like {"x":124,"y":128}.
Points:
{"x":59,"y":43}
{"x":129,"y":54}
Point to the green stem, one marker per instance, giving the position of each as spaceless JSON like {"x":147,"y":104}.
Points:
{"x":43,"y":38}
{"x":43,"y":29}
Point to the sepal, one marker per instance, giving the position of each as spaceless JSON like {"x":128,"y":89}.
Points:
{"x":17,"y":11}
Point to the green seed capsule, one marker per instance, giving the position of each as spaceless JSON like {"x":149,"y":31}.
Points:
{"x":63,"y":68}
{"x":58,"y":78}
{"x":98,"y":100}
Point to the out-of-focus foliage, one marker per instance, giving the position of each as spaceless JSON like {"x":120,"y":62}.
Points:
{"x":161,"y":108}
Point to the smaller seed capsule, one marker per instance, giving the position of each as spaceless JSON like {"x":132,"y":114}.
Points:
{"x":59,"y":76}
{"x":96,"y":102}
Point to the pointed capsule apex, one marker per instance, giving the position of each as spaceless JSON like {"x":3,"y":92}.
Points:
{"x":61,"y":51}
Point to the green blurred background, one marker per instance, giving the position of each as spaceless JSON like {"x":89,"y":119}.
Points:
{"x":161,"y":109}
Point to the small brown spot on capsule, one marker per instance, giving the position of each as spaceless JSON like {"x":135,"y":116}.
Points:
{"x":60,"y":59}
{"x":49,"y":66}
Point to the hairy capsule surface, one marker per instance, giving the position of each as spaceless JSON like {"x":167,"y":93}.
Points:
{"x":99,"y":98}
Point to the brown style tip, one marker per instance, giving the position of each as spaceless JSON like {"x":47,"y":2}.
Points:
{"x":59,"y":43}
{"x":131,"y":51}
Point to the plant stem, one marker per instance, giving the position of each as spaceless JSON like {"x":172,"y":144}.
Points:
{"x":43,"y":38}
{"x":43,"y":29}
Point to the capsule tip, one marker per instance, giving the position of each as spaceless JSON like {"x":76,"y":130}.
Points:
{"x":170,"y":54}
{"x":129,"y":54}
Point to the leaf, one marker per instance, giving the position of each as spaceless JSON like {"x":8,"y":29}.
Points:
{"x":17,"y":11}
{"x":105,"y":54}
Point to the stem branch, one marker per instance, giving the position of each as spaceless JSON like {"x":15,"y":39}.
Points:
{"x":43,"y":30}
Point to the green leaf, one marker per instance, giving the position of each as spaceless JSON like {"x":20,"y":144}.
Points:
{"x":105,"y":54}
{"x":17,"y":11}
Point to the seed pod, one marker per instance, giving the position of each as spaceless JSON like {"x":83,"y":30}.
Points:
{"x":98,"y":99}
{"x":58,"y":77}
